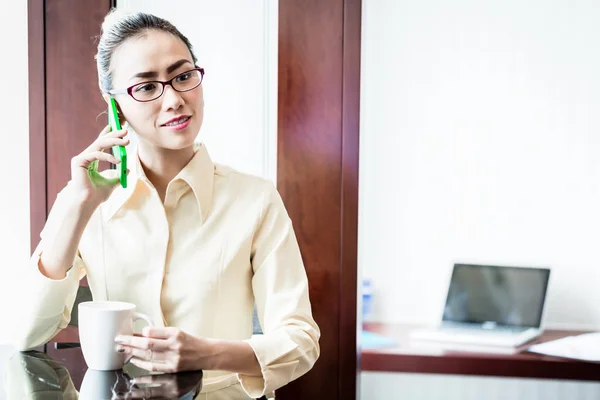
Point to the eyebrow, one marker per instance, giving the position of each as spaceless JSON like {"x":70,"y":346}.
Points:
{"x":154,"y":74}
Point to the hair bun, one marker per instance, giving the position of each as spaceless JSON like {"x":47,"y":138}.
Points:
{"x":114,"y":17}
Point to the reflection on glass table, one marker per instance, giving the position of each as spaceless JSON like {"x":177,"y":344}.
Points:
{"x":36,"y":375}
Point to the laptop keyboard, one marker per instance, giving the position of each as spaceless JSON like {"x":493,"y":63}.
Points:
{"x":481,"y":331}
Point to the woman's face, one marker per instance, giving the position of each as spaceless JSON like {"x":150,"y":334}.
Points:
{"x":158,"y":56}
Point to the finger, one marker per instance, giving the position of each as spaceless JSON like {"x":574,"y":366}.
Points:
{"x":144,"y":354}
{"x":104,"y":131}
{"x":151,"y":366}
{"x":108,"y":142}
{"x":108,"y":132}
{"x":142,"y":342}
{"x":160,"y":332}
{"x":85,"y":159}
{"x":119,"y":133}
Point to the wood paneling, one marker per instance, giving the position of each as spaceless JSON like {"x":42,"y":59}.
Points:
{"x":74,"y":104}
{"x":37,"y":119}
{"x":319,"y":57}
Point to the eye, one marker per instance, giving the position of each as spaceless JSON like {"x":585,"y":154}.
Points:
{"x":145,"y":87}
{"x":183,"y":77}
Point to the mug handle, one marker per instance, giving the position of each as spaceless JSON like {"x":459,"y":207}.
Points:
{"x":137,"y":316}
{"x":145,"y":318}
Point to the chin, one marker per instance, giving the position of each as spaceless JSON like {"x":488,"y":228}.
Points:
{"x":178,"y":140}
{"x":177,"y":144}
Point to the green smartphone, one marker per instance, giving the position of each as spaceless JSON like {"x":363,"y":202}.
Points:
{"x":118,"y":151}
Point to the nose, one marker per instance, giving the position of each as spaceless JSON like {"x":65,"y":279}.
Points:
{"x":171,"y":99}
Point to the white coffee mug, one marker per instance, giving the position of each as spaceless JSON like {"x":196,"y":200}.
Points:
{"x":100,"y":322}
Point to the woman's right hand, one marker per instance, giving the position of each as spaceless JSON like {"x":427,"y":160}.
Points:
{"x":97,"y":188}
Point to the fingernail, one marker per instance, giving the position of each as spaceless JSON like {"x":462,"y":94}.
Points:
{"x":121,"y":349}
{"x":119,"y":339}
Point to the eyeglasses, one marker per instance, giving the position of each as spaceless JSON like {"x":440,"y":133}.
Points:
{"x":152,"y":90}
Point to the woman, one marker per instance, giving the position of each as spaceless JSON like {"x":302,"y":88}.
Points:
{"x":193,"y":244}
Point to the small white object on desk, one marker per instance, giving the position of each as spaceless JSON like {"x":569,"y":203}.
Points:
{"x":585,"y":347}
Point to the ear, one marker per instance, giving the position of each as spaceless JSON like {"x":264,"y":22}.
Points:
{"x":120,"y":113}
{"x":106,"y":98}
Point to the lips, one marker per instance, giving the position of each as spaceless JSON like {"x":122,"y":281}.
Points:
{"x":177,"y":121}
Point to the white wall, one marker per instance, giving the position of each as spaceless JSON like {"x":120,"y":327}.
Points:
{"x":236,"y":43}
{"x":14,"y":162}
{"x":480,"y":141}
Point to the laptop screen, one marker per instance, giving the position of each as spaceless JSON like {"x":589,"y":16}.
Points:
{"x":509,"y":296}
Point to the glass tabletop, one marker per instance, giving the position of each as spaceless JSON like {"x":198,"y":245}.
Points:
{"x":61,"y":373}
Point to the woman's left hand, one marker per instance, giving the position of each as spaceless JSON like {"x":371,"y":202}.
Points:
{"x":167,"y":350}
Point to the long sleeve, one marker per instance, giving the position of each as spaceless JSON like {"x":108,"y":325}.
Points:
{"x":44,"y":305}
{"x":289,"y":346}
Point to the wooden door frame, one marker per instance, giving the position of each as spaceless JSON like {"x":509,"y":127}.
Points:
{"x":344,"y":73}
{"x":38,"y":210}
{"x":349,"y":358}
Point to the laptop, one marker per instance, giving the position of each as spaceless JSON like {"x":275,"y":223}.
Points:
{"x":490,"y":305}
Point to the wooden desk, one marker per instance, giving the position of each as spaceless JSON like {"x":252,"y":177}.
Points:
{"x":405,"y":358}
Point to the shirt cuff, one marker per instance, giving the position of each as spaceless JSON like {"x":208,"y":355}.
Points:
{"x":270,"y":351}
{"x":50,"y":294}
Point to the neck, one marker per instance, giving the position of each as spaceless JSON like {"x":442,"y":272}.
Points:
{"x":162,"y":165}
